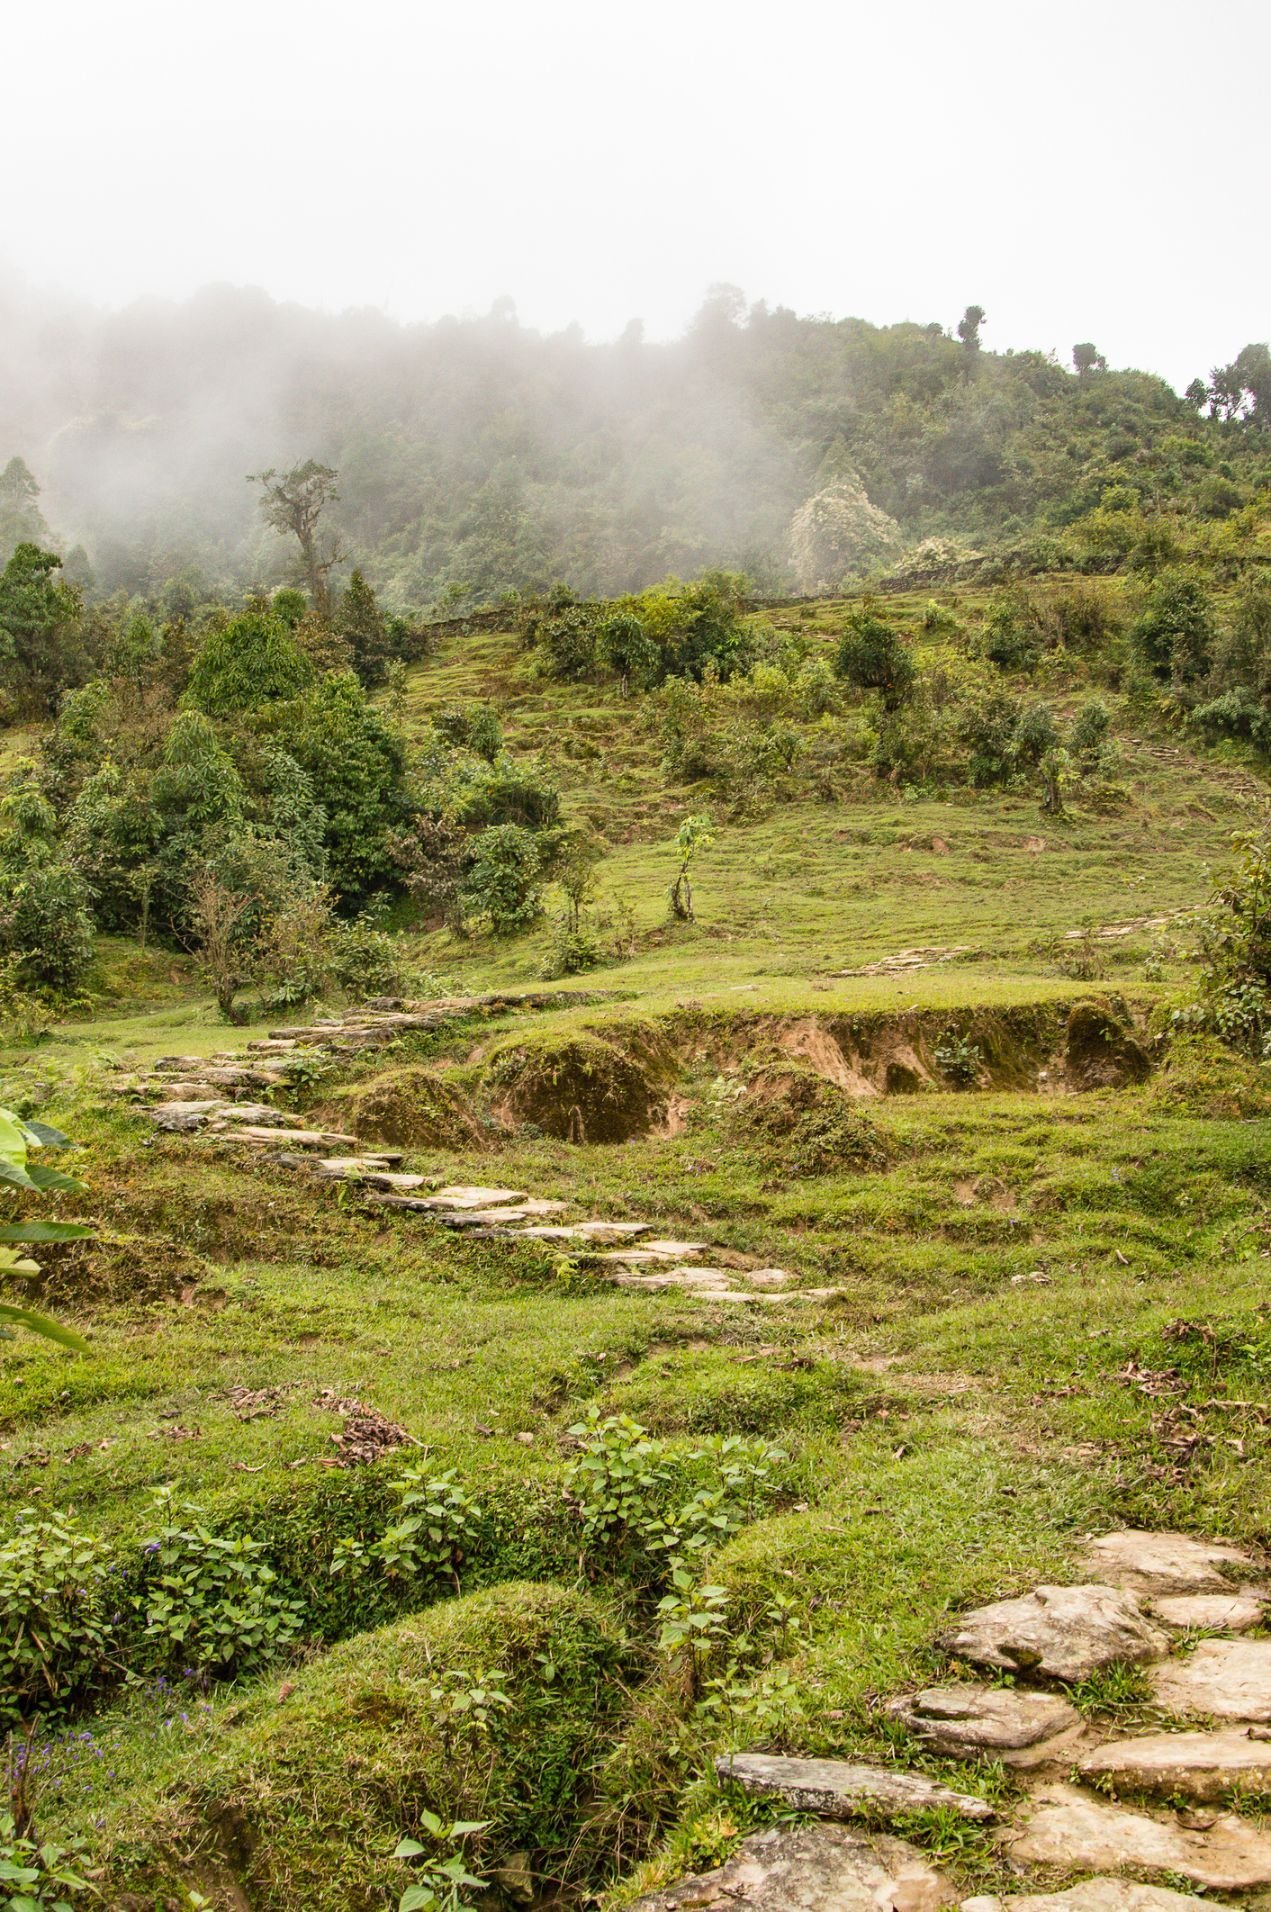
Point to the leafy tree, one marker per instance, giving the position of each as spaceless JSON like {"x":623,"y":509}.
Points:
{"x":1174,"y":633}
{"x":873,"y":656}
{"x":969,"y":327}
{"x":624,"y":647}
{"x":46,"y":930}
{"x":505,"y":880}
{"x":39,"y":623}
{"x":251,"y":661}
{"x":1234,"y":998}
{"x":17,"y":1170}
{"x":1088,"y":358}
{"x":293,"y":502}
{"x":21,"y":520}
{"x":363,"y":626}
{"x":356,"y":767}
{"x":694,"y":836}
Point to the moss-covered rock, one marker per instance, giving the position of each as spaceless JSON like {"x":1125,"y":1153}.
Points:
{"x":302,"y":1798}
{"x":409,"y":1107}
{"x":580,"y":1088}
{"x":1202,"y":1077}
{"x":816,"y":1125}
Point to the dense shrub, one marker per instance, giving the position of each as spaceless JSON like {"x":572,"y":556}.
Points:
{"x":873,"y":656}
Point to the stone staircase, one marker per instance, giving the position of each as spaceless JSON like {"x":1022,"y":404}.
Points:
{"x":1148,"y":1594}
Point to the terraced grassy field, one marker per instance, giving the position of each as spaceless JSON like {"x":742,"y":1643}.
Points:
{"x":1040,"y":1264}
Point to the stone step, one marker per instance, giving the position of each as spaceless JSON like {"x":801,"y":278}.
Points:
{"x":1203,"y":1766}
{"x":350,"y":1168}
{"x":1228,"y":1679}
{"x":818,"y":1868}
{"x":1095,"y":1895}
{"x":1061,"y":1633}
{"x":254,"y":1136}
{"x":836,"y":1789}
{"x":1067,"y":1828}
{"x":459,"y":1196}
{"x":965,"y":1720}
{"x":1159,"y":1563}
{"x":1212,"y":1612}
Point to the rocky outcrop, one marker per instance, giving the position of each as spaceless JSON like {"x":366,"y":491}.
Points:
{"x":1062,"y":1633}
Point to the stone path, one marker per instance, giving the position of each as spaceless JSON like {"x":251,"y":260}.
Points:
{"x":217,"y":1098}
{"x":1151,"y":1589}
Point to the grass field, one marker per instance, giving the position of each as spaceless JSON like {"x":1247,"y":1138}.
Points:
{"x":1049,"y":1317}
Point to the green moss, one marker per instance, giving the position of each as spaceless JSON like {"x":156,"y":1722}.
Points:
{"x":299,"y":1798}
{"x":580,"y":1089}
{"x":409,"y":1107}
{"x":1201,"y":1076}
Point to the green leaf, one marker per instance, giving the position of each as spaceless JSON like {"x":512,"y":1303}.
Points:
{"x":407,"y":1849}
{"x":42,"y":1325}
{"x":12,"y":1171}
{"x":45,"y":1231}
{"x":47,"y":1137}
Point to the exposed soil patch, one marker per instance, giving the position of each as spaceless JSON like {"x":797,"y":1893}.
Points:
{"x":1101,"y":1050}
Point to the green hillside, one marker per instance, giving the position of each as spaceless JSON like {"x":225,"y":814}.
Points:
{"x":948,"y":1127}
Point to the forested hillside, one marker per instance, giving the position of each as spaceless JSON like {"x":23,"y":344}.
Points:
{"x":477,"y":457}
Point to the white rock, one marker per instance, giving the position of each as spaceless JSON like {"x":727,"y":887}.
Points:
{"x":1163,"y":1562}
{"x":460,"y":1197}
{"x":1229,"y":1678}
{"x":1204,"y":1766}
{"x":1211,"y":1612}
{"x":1011,"y":1723}
{"x":1063,"y":1633}
{"x":838,"y":1790}
{"x":1095,"y":1895}
{"x":1067,"y":1828}
{"x":811,"y":1869}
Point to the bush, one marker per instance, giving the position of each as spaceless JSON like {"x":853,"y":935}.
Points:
{"x":1234,"y":998}
{"x":56,"y":1626}
{"x":208,"y":1600}
{"x":1088,"y":737}
{"x":1012,"y":637}
{"x":366,"y":958}
{"x":1174,"y":634}
{"x":872,"y":656}
{"x":505,"y":881}
{"x":246,"y":663}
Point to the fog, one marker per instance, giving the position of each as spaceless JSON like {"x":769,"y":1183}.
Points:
{"x":1078,"y":171}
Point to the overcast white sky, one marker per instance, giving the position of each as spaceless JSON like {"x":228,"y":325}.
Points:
{"x":1083,"y":171}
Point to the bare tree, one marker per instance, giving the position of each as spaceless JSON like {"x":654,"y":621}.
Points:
{"x":293,"y":501}
{"x":217,"y":915}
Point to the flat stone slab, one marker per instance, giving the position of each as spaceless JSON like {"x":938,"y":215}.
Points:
{"x":341,"y":1168}
{"x":965,"y":1719}
{"x":460,"y":1197}
{"x":493,"y":1217}
{"x":700,"y":1280}
{"x":1062,"y":1633}
{"x":1211,"y":1612}
{"x":1067,"y":1828}
{"x":1095,"y":1895}
{"x":642,"y":1256}
{"x":259,"y":1112}
{"x":1204,"y":1766}
{"x":1229,"y":1678}
{"x":1163,"y":1563}
{"x":611,"y":1231}
{"x":838,"y":1790}
{"x":254,"y":1135}
{"x":811,"y":1869}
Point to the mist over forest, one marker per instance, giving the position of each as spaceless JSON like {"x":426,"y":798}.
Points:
{"x":477,"y":457}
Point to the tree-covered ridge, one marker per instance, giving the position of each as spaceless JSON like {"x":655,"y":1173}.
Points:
{"x":476,"y":456}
